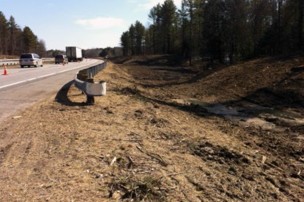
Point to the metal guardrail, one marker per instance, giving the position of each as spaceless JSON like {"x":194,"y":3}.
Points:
{"x":9,"y":62}
{"x":84,"y":81}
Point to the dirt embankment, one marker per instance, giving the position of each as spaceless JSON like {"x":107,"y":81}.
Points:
{"x":163,"y":133}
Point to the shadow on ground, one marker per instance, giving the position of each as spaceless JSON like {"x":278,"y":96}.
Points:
{"x":63,"y":98}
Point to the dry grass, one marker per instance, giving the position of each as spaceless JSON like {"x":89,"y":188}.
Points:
{"x":136,"y":144}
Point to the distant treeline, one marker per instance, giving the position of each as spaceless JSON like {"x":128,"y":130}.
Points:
{"x":14,"y":40}
{"x":91,"y":53}
{"x":219,"y":29}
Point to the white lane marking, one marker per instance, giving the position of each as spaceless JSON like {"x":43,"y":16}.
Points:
{"x":40,"y":77}
{"x":27,"y":80}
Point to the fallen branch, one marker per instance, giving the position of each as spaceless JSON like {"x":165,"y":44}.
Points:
{"x":157,"y":157}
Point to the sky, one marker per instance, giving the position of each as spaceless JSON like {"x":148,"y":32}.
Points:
{"x":85,"y":24}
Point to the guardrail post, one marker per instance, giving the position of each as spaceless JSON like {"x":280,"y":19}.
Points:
{"x":85,"y":82}
{"x":90,"y":98}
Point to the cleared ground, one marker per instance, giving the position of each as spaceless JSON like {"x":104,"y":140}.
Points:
{"x":163,"y":133}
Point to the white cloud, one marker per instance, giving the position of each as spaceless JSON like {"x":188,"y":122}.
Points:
{"x":101,"y":22}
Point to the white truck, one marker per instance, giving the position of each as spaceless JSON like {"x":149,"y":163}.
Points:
{"x":73,"y":53}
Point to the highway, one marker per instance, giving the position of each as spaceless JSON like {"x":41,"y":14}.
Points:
{"x":23,"y":87}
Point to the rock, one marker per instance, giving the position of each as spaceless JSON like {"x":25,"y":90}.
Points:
{"x":264,"y":159}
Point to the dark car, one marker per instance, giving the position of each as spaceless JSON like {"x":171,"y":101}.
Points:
{"x":61,"y":59}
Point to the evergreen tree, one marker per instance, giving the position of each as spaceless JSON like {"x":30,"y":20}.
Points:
{"x":168,"y":21}
{"x":260,"y":15}
{"x":13,"y":34}
{"x":132,"y":39}
{"x":222,"y":29}
{"x":238,"y":39}
{"x":125,"y":43}
{"x":3,"y":34}
{"x":155,"y":29}
{"x":185,"y":24}
{"x":139,"y":37}
{"x":14,"y":41}
{"x":41,"y":49}
{"x":215,"y":31}
{"x":191,"y":15}
{"x":30,"y":40}
{"x":301,"y":24}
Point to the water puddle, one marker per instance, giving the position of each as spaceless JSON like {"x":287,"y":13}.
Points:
{"x":247,"y":114}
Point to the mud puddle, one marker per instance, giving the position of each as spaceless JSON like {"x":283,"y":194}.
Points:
{"x":249,"y":114}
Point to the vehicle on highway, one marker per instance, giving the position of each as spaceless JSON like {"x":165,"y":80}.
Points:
{"x":74,"y":53}
{"x":30,"y":59}
{"x":61,"y":59}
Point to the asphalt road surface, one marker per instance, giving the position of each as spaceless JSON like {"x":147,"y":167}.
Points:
{"x":23,"y":87}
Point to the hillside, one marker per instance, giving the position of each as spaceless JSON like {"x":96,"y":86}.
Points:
{"x":164,"y":133}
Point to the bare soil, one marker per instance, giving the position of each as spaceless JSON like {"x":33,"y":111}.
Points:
{"x":163,"y":133}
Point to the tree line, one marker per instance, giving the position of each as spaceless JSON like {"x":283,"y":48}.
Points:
{"x":222,"y":30}
{"x":15,"y":40}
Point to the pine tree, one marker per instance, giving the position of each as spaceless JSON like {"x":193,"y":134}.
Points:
{"x":13,"y":34}
{"x":139,"y":37}
{"x":41,"y":49}
{"x":169,"y":19}
{"x":155,"y":29}
{"x":30,"y":40}
{"x":223,"y":29}
{"x":3,"y":34}
{"x":125,"y":43}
